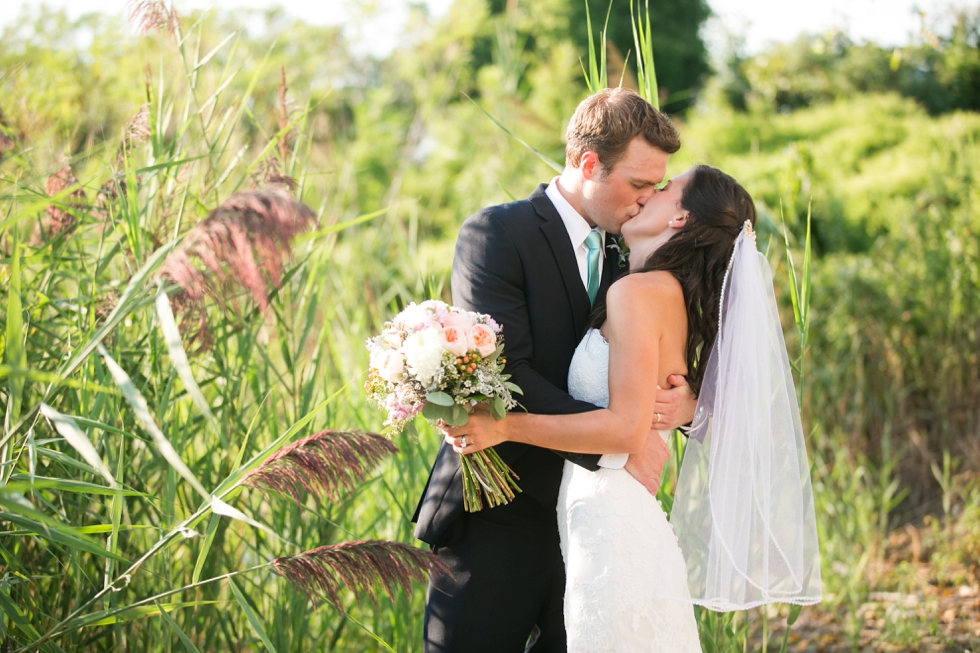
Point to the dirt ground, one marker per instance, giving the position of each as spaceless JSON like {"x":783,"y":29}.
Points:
{"x":925,"y":597}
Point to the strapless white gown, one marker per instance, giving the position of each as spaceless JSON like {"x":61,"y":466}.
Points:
{"x":619,"y":549}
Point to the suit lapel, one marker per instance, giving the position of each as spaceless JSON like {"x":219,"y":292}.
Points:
{"x":561,"y":247}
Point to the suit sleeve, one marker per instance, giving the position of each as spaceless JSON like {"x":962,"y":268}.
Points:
{"x":488,"y":277}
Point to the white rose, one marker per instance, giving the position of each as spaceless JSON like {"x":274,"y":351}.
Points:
{"x":392,"y":365}
{"x":423,"y":353}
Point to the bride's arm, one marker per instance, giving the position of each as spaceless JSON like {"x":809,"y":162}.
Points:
{"x":640,"y":310}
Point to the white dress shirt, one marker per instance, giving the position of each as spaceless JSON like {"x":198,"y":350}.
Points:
{"x":578,"y":230}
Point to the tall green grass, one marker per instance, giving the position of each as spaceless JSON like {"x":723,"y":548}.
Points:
{"x":112,"y":540}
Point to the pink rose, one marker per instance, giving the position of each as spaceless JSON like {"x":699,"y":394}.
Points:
{"x":455,"y":340}
{"x":482,"y":339}
{"x":461,"y":321}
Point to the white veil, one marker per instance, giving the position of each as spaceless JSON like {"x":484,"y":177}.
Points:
{"x":743,"y":509}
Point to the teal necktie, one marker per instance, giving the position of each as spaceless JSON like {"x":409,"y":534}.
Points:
{"x":594,"y":242}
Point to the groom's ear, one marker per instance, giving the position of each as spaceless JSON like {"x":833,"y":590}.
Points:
{"x":589,"y":165}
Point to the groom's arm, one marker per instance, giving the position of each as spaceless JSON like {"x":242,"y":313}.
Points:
{"x":488,"y":277}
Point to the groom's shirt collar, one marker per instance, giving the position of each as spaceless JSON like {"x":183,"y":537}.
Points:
{"x":576,"y":226}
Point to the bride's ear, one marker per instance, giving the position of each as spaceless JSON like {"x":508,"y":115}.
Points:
{"x":679,"y":221}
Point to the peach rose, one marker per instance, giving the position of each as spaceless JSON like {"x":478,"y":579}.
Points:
{"x":461,"y":321}
{"x":482,"y":339}
{"x":455,"y":340}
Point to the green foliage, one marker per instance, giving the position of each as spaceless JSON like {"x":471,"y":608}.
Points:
{"x":941,"y":72}
{"x":680,"y":51}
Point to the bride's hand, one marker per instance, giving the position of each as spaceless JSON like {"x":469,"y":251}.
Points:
{"x":481,"y":431}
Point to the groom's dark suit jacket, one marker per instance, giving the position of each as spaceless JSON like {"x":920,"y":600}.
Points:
{"x":515,"y":262}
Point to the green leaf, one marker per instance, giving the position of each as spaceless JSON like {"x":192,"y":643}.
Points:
{"x":497,"y":408}
{"x":439,"y":398}
{"x":496,"y":352}
{"x":435,"y":412}
{"x":457,"y":417}
{"x":513,"y":387}
{"x":253,"y":618}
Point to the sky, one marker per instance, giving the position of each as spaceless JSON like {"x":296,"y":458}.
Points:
{"x":760,"y":22}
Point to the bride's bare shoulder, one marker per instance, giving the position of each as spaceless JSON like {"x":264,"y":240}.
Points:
{"x":656,"y":289}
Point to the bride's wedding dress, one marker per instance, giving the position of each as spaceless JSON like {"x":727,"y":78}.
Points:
{"x":620,"y":552}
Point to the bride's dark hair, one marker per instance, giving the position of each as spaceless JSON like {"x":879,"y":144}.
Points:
{"x":698,"y":255}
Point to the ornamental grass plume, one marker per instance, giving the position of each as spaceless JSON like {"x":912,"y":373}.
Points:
{"x":59,"y":220}
{"x":153,"y":15}
{"x":268,"y":174}
{"x":137,"y":131}
{"x":325,"y":464}
{"x":360,"y":566}
{"x":243,"y":241}
{"x":282,"y":116}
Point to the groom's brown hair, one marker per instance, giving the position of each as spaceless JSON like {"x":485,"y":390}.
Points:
{"x":606,"y":123}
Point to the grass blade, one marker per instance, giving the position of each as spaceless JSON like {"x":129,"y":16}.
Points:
{"x":138,"y":404}
{"x":15,"y":355}
{"x":554,"y":165}
{"x":219,"y":507}
{"x":185,"y":640}
{"x":74,"y":436}
{"x":205,"y":547}
{"x":178,"y":356}
{"x":646,"y":71}
{"x":253,"y":618}
{"x":61,"y":534}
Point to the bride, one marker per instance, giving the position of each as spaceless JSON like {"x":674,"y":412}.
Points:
{"x":698,"y":302}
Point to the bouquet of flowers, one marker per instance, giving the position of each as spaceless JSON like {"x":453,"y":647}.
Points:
{"x":442,"y":361}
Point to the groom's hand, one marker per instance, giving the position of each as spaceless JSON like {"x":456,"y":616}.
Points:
{"x":674,"y":407}
{"x":647,"y":465}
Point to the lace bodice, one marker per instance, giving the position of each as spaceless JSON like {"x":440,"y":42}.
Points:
{"x":588,"y":375}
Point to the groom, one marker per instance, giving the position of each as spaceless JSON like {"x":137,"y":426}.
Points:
{"x":537,"y":266}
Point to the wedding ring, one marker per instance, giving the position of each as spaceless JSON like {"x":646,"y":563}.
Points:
{"x":658,"y":419}
{"x":462,"y":441}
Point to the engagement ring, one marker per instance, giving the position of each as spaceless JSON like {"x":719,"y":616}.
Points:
{"x":462,"y":441}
